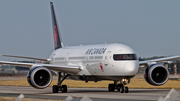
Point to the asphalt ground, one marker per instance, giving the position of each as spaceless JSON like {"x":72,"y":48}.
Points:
{"x":96,"y":94}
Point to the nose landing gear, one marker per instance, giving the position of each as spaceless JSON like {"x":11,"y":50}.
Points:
{"x":120,"y":87}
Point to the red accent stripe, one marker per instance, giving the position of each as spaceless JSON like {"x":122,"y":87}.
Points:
{"x":101,"y":67}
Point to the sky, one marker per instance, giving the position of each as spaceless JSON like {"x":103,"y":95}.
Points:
{"x":150,"y":27}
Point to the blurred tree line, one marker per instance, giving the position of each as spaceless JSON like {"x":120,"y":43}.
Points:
{"x":149,"y":58}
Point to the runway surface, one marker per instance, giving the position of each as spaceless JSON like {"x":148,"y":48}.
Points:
{"x":96,"y":94}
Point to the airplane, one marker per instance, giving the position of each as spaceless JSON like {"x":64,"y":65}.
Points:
{"x":114,"y":62}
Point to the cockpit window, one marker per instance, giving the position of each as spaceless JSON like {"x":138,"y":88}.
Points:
{"x":117,"y":57}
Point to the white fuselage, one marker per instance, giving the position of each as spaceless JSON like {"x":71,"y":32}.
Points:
{"x":98,"y":60}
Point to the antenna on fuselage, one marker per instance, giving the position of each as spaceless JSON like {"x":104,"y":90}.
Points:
{"x":57,"y":36}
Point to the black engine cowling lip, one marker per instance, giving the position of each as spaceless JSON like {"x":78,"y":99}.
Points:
{"x":32,"y":73}
{"x":151,"y":68}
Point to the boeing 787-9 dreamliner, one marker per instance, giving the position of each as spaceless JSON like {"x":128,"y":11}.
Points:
{"x":115,"y":62}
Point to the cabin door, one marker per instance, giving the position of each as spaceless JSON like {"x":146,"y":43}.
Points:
{"x":107,"y":57}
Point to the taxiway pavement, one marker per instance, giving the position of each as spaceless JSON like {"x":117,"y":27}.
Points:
{"x":96,"y":94}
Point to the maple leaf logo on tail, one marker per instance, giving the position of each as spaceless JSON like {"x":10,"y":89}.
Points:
{"x":55,"y":36}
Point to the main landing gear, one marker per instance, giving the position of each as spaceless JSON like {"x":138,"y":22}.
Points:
{"x":120,"y":87}
{"x":59,"y":87}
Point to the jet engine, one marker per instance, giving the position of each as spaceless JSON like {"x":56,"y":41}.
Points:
{"x":156,"y":74}
{"x":39,"y":77}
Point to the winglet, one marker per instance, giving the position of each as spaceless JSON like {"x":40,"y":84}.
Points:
{"x":57,"y":37}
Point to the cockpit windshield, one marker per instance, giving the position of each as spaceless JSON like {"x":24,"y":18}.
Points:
{"x":118,"y":57}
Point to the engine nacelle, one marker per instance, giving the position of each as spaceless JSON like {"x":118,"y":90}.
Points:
{"x":39,"y":77}
{"x":156,"y":74}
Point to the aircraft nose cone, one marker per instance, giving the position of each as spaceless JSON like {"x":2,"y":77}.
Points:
{"x":131,"y":68}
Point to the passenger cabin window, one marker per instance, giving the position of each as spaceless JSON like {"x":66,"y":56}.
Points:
{"x":91,"y":57}
{"x":98,"y":57}
{"x":60,"y":58}
{"x":76,"y":58}
{"x":118,"y":57}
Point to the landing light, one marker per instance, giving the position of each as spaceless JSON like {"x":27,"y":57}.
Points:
{"x":48,"y":59}
{"x":124,"y":79}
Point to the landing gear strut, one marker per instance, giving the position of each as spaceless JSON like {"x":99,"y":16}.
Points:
{"x":59,"y":87}
{"x":120,"y":87}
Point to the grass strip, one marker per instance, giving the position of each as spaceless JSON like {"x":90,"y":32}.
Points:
{"x":135,"y":83}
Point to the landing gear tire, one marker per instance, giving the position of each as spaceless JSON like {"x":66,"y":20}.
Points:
{"x":121,"y":88}
{"x":59,"y":87}
{"x":64,"y":89}
{"x":126,"y":89}
{"x":111,"y":87}
{"x":118,"y":87}
{"x":55,"y":89}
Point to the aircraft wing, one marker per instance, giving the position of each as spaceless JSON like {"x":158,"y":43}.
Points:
{"x":159,"y":60}
{"x":59,"y":68}
{"x":25,"y":57}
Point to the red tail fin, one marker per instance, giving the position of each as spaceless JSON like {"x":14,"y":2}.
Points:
{"x":57,"y":37}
